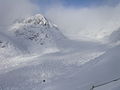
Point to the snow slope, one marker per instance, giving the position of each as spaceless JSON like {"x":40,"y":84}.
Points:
{"x":44,"y":59}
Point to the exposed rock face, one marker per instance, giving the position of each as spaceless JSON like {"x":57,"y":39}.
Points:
{"x":37,"y":31}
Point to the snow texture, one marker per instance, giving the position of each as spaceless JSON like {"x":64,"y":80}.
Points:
{"x":35,"y":55}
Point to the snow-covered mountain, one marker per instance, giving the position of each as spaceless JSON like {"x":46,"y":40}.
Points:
{"x":35,"y":55}
{"x":37,"y":33}
{"x":115,"y":37}
{"x":7,"y":48}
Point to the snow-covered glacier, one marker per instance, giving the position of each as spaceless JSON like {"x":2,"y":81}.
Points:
{"x":35,"y":55}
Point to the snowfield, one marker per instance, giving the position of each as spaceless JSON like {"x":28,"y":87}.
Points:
{"x":35,"y":55}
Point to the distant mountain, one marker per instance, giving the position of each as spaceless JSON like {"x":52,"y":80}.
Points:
{"x":36,"y":33}
{"x":115,"y":36}
{"x":7,"y":48}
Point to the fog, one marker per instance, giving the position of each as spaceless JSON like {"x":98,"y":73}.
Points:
{"x":10,"y":10}
{"x":93,"y":22}
{"x":86,"y":22}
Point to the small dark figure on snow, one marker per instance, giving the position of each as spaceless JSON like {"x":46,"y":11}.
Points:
{"x":43,"y":80}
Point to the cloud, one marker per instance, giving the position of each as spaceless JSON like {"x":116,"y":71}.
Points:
{"x":86,"y":22}
{"x":93,"y":22}
{"x":14,"y":9}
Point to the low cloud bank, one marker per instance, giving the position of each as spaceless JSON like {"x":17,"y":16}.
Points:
{"x":88,"y":22}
